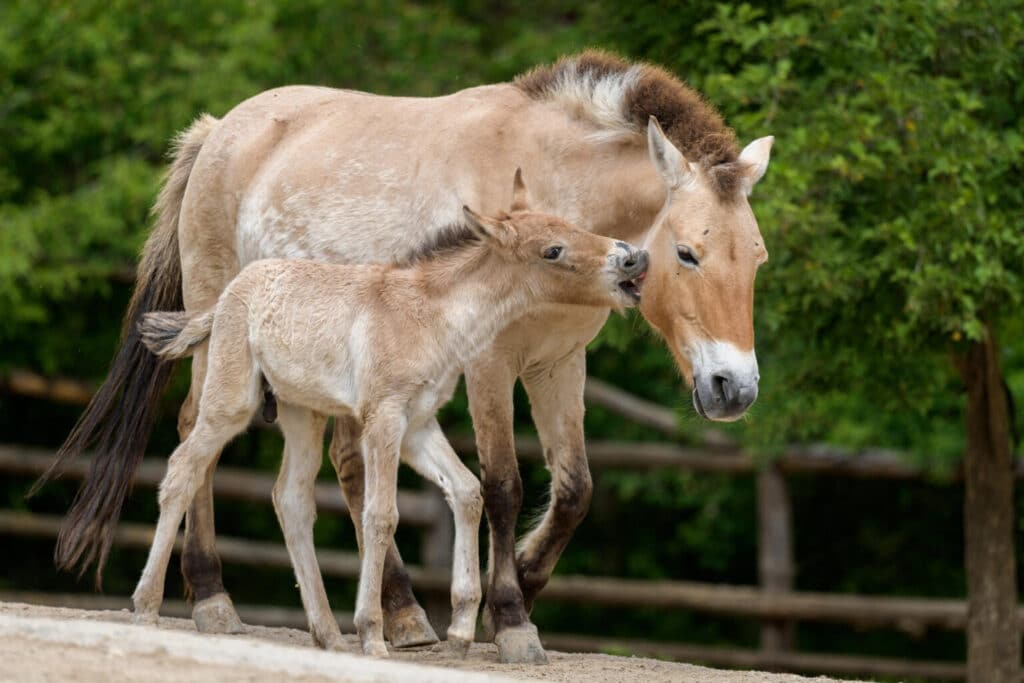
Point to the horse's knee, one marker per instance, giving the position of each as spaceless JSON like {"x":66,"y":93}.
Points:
{"x":294,"y":506}
{"x":468,"y":498}
{"x":571,"y":493}
{"x":502,"y":496}
{"x":379,"y":524}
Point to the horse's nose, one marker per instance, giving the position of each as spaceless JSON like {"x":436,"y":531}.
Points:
{"x":730,"y":395}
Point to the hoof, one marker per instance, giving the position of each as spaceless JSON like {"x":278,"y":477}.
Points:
{"x":217,"y":614}
{"x":520,"y":645}
{"x":375,"y":648}
{"x":409,"y":628}
{"x":146,"y":618}
{"x":333,"y":642}
{"x":458,"y":647}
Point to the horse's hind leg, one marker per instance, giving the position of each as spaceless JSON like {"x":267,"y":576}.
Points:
{"x":212,"y":609}
{"x":303,"y":432}
{"x":222,"y":415}
{"x":556,"y":400}
{"x":405,"y":622}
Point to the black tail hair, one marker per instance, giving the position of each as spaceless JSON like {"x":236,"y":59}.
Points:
{"x":117,"y":422}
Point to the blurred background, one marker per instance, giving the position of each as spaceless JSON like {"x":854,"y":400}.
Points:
{"x":892,"y":211}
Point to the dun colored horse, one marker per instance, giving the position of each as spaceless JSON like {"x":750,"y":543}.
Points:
{"x":349,"y":177}
{"x":384,"y":346}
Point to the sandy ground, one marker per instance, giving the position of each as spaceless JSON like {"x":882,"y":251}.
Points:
{"x":49,"y":644}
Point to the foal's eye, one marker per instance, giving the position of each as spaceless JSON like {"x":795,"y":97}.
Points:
{"x":686,"y":256}
{"x":552,"y":253}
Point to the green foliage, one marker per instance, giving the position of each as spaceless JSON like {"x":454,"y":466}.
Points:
{"x":892,"y":212}
{"x":892,"y":205}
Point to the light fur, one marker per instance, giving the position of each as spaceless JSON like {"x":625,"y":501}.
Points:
{"x":383,"y":346}
{"x":351,"y":177}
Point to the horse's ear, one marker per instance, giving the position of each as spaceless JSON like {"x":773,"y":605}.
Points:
{"x":669,"y":161}
{"x":520,"y":196}
{"x":489,"y":229}
{"x":755,"y":156}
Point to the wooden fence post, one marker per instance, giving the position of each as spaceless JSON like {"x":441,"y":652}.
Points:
{"x":775,"y":552}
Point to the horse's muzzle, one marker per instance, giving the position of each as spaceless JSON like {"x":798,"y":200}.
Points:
{"x":723,"y":396}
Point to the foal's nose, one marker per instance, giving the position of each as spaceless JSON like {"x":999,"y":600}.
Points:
{"x":632,"y":261}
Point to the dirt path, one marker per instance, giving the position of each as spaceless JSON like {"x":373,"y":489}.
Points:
{"x":44,"y":644}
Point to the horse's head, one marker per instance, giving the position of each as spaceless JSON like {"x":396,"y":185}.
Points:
{"x":705,"y":248}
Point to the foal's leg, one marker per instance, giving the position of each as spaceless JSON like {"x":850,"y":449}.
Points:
{"x":303,"y":432}
{"x":212,"y":610}
{"x":225,"y":411}
{"x":429,"y":453}
{"x":556,"y":400}
{"x":405,"y":622}
{"x":489,"y":383}
{"x":382,"y":439}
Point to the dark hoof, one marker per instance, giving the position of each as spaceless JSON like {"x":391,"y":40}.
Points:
{"x":520,"y":645}
{"x":409,"y":628}
{"x":216,"y":614}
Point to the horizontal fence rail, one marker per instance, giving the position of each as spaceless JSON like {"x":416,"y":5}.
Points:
{"x":909,"y":614}
{"x":415,"y":507}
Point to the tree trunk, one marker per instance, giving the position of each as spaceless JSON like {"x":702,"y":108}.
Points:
{"x":993,"y":632}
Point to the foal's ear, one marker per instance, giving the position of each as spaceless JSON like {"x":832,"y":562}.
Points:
{"x":520,"y":196}
{"x":489,"y":229}
{"x":669,"y":161}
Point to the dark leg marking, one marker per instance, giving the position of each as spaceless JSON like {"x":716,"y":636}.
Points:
{"x":503,"y":498}
{"x":569,"y":506}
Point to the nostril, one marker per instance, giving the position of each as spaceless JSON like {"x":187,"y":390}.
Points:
{"x":720,"y":388}
{"x":630,"y":261}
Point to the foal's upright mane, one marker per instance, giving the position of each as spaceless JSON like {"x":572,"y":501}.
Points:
{"x":618,"y":95}
{"x":452,"y":238}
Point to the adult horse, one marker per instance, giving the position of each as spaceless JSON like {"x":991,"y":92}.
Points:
{"x":351,"y":177}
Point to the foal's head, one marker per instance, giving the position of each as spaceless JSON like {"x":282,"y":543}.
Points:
{"x":705,"y":250}
{"x":562,"y":263}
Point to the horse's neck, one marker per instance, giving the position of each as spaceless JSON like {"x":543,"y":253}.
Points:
{"x":476,"y":294}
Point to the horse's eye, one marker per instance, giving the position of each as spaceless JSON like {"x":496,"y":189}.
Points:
{"x":686,"y":256}
{"x":552,"y":253}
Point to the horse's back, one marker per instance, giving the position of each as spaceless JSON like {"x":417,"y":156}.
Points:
{"x":339,"y":175}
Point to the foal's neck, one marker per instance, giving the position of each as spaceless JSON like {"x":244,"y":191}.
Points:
{"x":477,"y":293}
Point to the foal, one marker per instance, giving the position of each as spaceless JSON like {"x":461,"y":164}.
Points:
{"x":384,"y":344}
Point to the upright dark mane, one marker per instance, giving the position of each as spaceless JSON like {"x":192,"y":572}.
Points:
{"x":451,"y":238}
{"x":644,"y":90}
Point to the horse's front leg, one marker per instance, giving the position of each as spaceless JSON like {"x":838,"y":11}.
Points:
{"x":405,"y":622}
{"x":489,"y":382}
{"x":556,"y":401}
{"x":428,"y":452}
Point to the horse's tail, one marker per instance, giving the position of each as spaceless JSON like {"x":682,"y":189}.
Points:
{"x":173,"y":335}
{"x":119,"y":418}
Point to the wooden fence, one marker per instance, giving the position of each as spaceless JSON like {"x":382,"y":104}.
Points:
{"x":773,"y":603}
